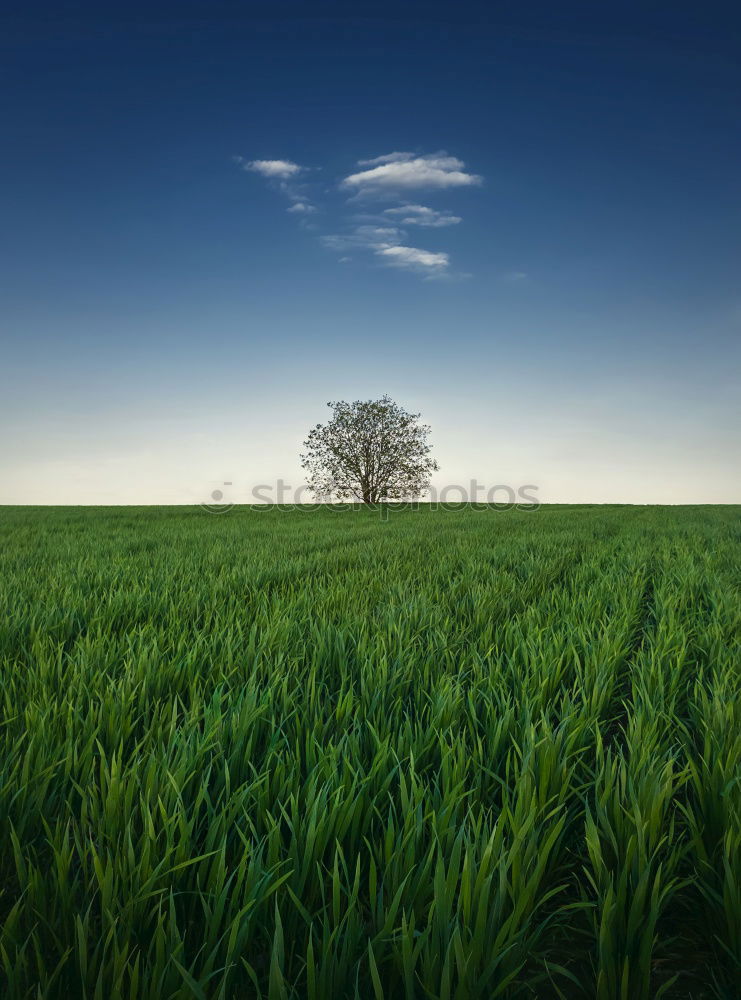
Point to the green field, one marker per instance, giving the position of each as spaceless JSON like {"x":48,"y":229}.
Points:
{"x":454,"y":754}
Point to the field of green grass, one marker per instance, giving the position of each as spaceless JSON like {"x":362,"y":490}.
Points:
{"x":454,"y":754}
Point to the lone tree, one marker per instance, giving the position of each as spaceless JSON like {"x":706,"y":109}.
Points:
{"x":370,"y":451}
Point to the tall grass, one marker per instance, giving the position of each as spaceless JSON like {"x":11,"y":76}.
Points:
{"x":289,"y":755}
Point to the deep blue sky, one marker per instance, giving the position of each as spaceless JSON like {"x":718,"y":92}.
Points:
{"x":168,"y":323}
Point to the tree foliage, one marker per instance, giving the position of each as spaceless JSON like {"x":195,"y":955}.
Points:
{"x":370,"y":451}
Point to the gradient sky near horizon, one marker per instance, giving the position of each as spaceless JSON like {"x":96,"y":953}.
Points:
{"x":522,"y":220}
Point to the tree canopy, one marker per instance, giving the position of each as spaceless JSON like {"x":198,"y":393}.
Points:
{"x":370,"y":451}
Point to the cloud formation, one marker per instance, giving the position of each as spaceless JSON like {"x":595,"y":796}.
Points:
{"x":362,"y":237}
{"x":386,"y":243}
{"x":405,"y":171}
{"x":274,"y":169}
{"x":421,"y":215}
{"x":386,"y":158}
{"x":381,"y":232}
{"x":411,"y":258}
{"x":285,"y":176}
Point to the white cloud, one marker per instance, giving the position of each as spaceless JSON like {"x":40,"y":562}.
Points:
{"x":414,"y":259}
{"x":371,"y":233}
{"x":381,"y":233}
{"x":512,"y":276}
{"x":280,"y":169}
{"x":396,"y":171}
{"x":421,"y":215}
{"x":387,"y":158}
{"x":385,"y":242}
{"x":284,"y":175}
{"x":370,"y":237}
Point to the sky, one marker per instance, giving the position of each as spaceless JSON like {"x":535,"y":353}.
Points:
{"x":521,"y":220}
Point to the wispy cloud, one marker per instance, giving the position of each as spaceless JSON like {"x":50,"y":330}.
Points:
{"x":406,"y":171}
{"x":414,"y":259}
{"x":362,"y":237}
{"x":379,"y":233}
{"x":274,"y":169}
{"x":421,"y":215}
{"x":386,"y":243}
{"x":514,"y":276}
{"x":287,"y":177}
{"x":386,"y":158}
